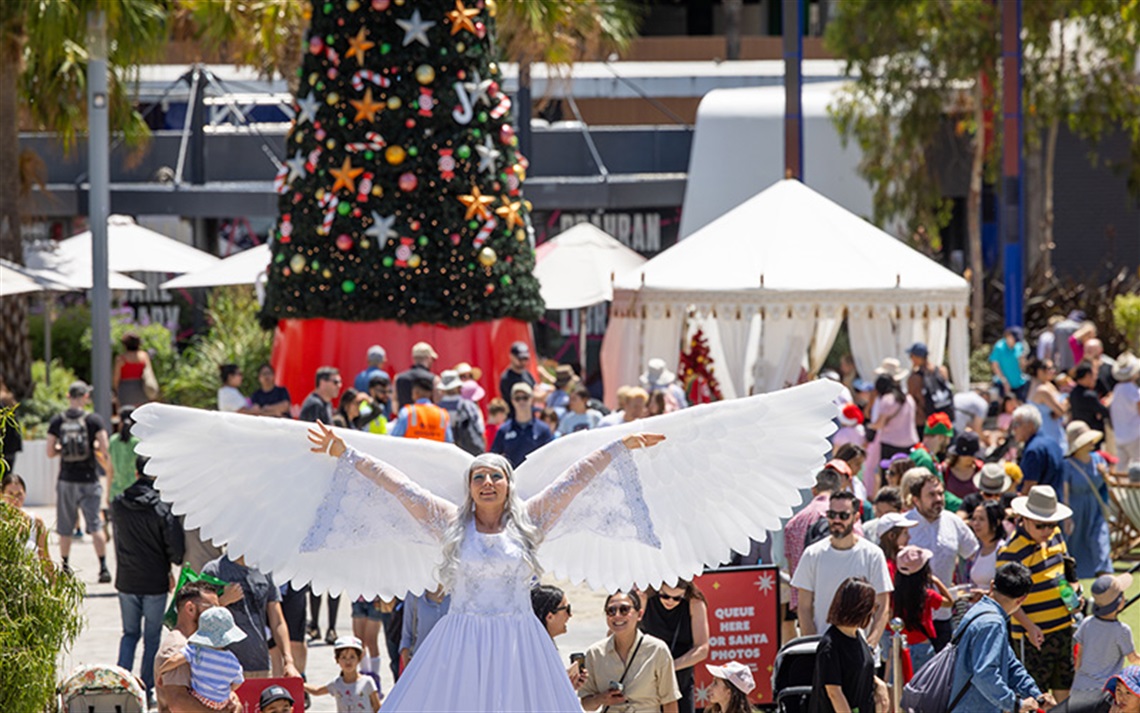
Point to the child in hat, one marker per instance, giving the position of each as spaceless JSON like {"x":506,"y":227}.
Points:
{"x":731,"y":685}
{"x":353,"y":692}
{"x":214,"y":672}
{"x":917,"y":594}
{"x":1106,"y":642}
{"x":275,"y":699}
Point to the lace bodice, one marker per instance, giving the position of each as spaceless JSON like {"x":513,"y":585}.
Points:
{"x":492,"y":577}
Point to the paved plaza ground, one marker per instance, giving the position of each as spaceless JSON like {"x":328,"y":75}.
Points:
{"x":99,"y":642}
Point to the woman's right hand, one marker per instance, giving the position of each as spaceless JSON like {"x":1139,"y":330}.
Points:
{"x":325,"y":441}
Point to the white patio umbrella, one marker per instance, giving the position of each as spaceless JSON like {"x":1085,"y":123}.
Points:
{"x":576,"y":270}
{"x":244,"y":268}
{"x":130,"y":248}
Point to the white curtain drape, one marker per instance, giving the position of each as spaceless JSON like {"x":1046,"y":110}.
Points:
{"x":828,"y":320}
{"x":704,"y":319}
{"x":936,"y":333}
{"x":959,"y":349}
{"x":872,"y":336}
{"x":788,"y":330}
{"x":620,"y":357}
{"x":660,"y":336}
{"x":910,"y":327}
{"x":739,"y":328}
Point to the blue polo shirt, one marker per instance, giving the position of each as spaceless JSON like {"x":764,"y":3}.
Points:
{"x":518,"y":440}
{"x":1043,"y":462}
{"x":1007,"y":360}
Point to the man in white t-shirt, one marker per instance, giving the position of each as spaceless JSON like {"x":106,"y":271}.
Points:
{"x":943,"y":533}
{"x":825,"y":564}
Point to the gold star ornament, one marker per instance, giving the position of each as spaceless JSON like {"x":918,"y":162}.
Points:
{"x":477,"y":204}
{"x":366,"y":108}
{"x":346,"y":176}
{"x":461,"y":18}
{"x":509,"y":212}
{"x":358,"y":45}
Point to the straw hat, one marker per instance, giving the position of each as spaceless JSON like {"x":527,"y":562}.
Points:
{"x":893,"y":368}
{"x":1127,"y":367}
{"x":1041,"y":505}
{"x":1080,"y":435}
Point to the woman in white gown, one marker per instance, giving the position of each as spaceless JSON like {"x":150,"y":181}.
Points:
{"x":624,"y":515}
{"x":489,"y":567}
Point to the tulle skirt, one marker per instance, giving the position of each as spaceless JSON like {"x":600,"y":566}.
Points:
{"x":472,"y":662}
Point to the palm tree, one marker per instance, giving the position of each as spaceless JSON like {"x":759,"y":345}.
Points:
{"x":43,"y":65}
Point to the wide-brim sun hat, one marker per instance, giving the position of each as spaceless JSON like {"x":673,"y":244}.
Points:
{"x":992,"y":479}
{"x":1041,"y":505}
{"x":1079,"y":435}
{"x":464,"y":368}
{"x":472,"y":391}
{"x":1127,"y":367}
{"x":657,"y":374}
{"x":216,"y":629}
{"x":736,"y":673}
{"x":449,"y":380}
{"x":893,"y":368}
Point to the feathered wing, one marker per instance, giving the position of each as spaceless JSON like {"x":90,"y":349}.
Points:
{"x":253,"y":484}
{"x":727,"y":472}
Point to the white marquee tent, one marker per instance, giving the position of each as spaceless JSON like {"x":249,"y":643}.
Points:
{"x":771,"y":282}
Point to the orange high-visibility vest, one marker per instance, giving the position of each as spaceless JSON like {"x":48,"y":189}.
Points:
{"x":427,"y":421}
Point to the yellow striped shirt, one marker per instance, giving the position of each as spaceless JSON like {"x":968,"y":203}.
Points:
{"x":1044,"y":605}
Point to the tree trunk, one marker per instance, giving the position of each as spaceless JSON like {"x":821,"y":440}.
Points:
{"x":974,"y":220}
{"x":732,"y":13}
{"x":15,"y":352}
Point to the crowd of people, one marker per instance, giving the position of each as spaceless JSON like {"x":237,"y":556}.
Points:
{"x":936,"y":507}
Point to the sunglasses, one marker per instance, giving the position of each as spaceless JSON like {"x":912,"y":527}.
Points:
{"x":1040,"y":525}
{"x":520,"y":397}
{"x":565,"y":609}
{"x":671,"y":597}
{"x":836,"y":515}
{"x":618,"y":610}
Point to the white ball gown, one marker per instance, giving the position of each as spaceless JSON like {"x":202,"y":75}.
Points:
{"x":371,"y":522}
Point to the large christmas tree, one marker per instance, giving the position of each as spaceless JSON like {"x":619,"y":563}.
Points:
{"x":401,"y":197}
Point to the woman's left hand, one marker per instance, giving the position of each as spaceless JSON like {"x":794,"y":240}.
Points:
{"x":642,"y":440}
{"x":325,"y":441}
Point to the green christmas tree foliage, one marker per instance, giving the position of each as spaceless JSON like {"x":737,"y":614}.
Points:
{"x":401,"y":197}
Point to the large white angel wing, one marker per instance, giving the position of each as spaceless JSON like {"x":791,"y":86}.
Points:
{"x":252,"y":484}
{"x":727,"y":472}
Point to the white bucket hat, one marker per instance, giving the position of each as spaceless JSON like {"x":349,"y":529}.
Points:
{"x":893,"y":368}
{"x":449,"y":380}
{"x":216,"y":629}
{"x":1041,"y":505}
{"x":657,"y":374}
{"x":1127,"y":367}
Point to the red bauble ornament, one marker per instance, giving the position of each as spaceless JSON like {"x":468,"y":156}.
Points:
{"x":408,"y":182}
{"x":506,"y":133}
{"x":343,"y":243}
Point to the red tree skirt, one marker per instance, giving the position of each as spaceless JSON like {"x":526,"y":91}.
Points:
{"x":301,"y":346}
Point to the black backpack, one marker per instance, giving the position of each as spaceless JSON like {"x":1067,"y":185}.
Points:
{"x":74,"y":443}
{"x":937,"y":394}
{"x":465,"y":429}
{"x":819,"y":530}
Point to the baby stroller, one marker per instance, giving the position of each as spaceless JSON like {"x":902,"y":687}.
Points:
{"x":793,"y":673}
{"x":101,"y":689}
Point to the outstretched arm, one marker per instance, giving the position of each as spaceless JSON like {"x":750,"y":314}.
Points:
{"x":547,"y":506}
{"x":433,"y":511}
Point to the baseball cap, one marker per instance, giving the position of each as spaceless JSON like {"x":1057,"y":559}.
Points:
{"x":376,"y":354}
{"x":522,"y":388}
{"x":423,"y":350}
{"x":274,"y":694}
{"x":736,"y":673}
{"x":918,"y":349}
{"x":1107,"y":592}
{"x":348,"y":642}
{"x":520,"y":350}
{"x":839,"y":466}
{"x":379,"y":378}
{"x":78,"y":388}
{"x":892,"y":520}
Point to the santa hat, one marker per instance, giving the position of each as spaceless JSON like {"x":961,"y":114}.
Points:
{"x":939,"y":424}
{"x":851,"y":415}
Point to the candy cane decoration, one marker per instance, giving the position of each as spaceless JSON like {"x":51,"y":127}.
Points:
{"x":485,"y":232}
{"x":327,"y":221}
{"x":504,"y":106}
{"x":364,"y":188}
{"x":463,"y":113}
{"x":280,"y":182}
{"x":373,"y":142}
{"x":367,"y":75}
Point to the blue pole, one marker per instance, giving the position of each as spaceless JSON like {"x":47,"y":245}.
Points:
{"x":1012,"y":216}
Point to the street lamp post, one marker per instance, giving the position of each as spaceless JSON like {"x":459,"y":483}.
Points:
{"x":99,"y":208}
{"x":1013,"y":183}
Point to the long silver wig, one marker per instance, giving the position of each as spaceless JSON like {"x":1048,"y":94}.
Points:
{"x":516,"y":521}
